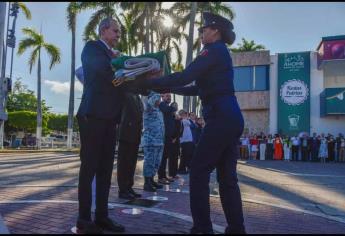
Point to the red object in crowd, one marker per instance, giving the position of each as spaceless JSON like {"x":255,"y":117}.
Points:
{"x":254,"y":141}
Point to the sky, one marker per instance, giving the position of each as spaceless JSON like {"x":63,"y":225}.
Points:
{"x":280,"y":27}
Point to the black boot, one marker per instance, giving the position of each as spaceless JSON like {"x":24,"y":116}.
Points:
{"x":157,"y":185}
{"x":148,"y":185}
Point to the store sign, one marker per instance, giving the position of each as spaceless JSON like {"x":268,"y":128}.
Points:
{"x":294,"y":96}
{"x":294,"y":92}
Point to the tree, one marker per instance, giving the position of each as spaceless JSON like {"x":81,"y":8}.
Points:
{"x":72,"y":9}
{"x":23,"y":99}
{"x":58,"y":122}
{"x":25,"y":121}
{"x":184,"y":11}
{"x":247,"y":46}
{"x":36,"y":41}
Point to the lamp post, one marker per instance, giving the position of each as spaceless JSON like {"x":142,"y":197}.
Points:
{"x":3,"y":115}
{"x":6,"y":83}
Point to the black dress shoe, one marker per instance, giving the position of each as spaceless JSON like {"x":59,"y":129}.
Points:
{"x":137,"y":195}
{"x":197,"y":231}
{"x":109,"y":225}
{"x":155,"y":184}
{"x":164,"y":181}
{"x":235,"y":231}
{"x":88,"y":227}
{"x":126,"y":195}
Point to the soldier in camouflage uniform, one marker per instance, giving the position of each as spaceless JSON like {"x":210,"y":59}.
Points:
{"x":152,"y":140}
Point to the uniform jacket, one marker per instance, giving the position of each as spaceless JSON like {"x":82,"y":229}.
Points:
{"x":153,"y":133}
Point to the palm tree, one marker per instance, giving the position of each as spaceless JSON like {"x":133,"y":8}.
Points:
{"x":189,"y":58}
{"x":183,"y":11}
{"x":247,"y":46}
{"x":104,"y":9}
{"x":72,"y":10}
{"x":36,"y":41}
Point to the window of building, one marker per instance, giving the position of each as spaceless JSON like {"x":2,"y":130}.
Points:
{"x":243,"y":78}
{"x":261,"y":78}
{"x":251,"y":78}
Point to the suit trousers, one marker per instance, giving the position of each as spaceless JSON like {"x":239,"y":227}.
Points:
{"x":187,"y":150}
{"x":97,"y":153}
{"x":167,"y":155}
{"x":126,"y":164}
{"x":173,"y":160}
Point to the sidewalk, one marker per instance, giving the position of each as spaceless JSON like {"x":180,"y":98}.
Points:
{"x":53,"y":210}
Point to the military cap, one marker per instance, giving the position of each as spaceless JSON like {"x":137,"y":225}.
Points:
{"x":224,"y":25}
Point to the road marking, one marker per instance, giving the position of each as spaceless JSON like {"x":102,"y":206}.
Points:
{"x":300,"y":174}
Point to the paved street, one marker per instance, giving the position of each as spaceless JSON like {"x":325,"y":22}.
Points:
{"x":38,"y":194}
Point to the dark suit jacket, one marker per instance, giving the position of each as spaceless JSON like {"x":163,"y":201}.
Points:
{"x":100,"y":98}
{"x":131,"y":123}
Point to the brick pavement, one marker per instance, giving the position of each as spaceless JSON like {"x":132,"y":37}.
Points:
{"x":60,"y":216}
{"x":38,"y":194}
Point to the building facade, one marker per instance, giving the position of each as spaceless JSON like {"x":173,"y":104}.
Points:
{"x":296,"y":92}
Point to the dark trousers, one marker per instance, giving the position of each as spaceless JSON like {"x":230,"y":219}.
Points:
{"x":269,"y":151}
{"x":173,"y":160}
{"x":97,"y":152}
{"x":331,"y":154}
{"x":167,"y":154}
{"x":126,"y":164}
{"x":187,"y":150}
{"x":314,"y":154}
{"x":305,"y":154}
{"x":217,"y":148}
{"x":294,"y":153}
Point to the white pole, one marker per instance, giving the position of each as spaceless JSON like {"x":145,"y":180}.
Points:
{"x":3,"y":115}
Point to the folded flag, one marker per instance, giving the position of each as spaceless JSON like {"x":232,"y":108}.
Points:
{"x":129,"y":68}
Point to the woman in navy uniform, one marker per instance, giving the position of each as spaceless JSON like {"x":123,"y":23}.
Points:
{"x":212,"y":72}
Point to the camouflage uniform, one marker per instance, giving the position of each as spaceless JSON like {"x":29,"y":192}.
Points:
{"x":153,"y":135}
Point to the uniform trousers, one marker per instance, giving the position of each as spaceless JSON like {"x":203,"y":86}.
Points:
{"x":216,"y":151}
{"x":152,"y":159}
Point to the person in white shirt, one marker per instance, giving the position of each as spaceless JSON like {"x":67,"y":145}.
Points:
{"x":187,"y":144}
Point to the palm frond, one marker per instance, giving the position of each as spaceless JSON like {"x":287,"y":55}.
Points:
{"x":53,"y":53}
{"x":25,"y":44}
{"x":25,"y":10}
{"x":93,"y":23}
{"x":33,"y":34}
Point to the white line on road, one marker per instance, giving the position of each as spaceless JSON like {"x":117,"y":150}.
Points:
{"x":218,"y":228}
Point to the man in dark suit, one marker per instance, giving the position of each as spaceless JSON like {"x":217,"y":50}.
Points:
{"x":129,"y":139}
{"x":169,"y":125}
{"x":98,"y":115}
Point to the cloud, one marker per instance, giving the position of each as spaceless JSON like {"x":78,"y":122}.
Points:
{"x":62,"y":87}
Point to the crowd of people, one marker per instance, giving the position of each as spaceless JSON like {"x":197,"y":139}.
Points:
{"x":315,"y":148}
{"x":167,"y":135}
